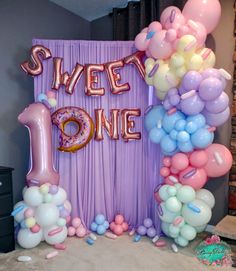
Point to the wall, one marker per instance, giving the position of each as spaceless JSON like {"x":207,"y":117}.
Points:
{"x":20,"y":21}
{"x":101,"y":29}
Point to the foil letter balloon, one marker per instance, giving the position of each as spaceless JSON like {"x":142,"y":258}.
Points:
{"x":70,"y":142}
{"x":35,"y":67}
{"x":127,"y":125}
{"x":37,"y":119}
{"x":91,"y":79}
{"x":136,"y":59}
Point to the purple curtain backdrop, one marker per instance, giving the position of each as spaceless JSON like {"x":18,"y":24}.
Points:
{"x":109,"y":176}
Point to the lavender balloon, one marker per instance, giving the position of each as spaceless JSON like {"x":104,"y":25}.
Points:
{"x":37,"y":119}
{"x":210,"y":89}
{"x":191,"y":80}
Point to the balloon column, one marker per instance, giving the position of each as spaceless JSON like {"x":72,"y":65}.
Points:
{"x":42,"y":215}
{"x":193,"y":104}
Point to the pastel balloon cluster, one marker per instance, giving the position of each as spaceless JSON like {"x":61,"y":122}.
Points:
{"x":175,"y":131}
{"x":184,"y":212}
{"x":199,"y":17}
{"x":42,"y":215}
{"x":119,"y":225}
{"x":100,"y":224}
{"x":202,"y":93}
{"x":147,"y":228}
{"x":167,"y":74}
{"x":49,"y":99}
{"x":194,"y":169}
{"x":77,"y":228}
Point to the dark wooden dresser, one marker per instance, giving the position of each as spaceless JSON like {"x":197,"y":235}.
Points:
{"x":7,"y":241}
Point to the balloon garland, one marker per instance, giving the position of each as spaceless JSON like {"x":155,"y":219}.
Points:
{"x":193,"y":104}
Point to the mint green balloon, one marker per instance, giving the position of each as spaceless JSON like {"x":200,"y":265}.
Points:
{"x":186,"y":194}
{"x":181,"y":241}
{"x":173,"y":231}
{"x":173,"y":205}
{"x":167,"y":216}
{"x":200,"y":228}
{"x":163,"y":192}
{"x":181,"y":223}
{"x":188,"y":232}
{"x":165,"y":228}
{"x":206,"y":196}
{"x":171,"y":190}
{"x":178,"y":186}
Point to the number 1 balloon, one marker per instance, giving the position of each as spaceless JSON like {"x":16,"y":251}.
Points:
{"x":37,"y":119}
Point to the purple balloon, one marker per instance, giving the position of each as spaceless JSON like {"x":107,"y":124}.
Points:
{"x":53,"y":189}
{"x":167,"y":104}
{"x":192,"y":105}
{"x":210,"y":89}
{"x":151,"y":232}
{"x":172,"y":91}
{"x":147,"y":222}
{"x":191,"y":80}
{"x":142,"y":230}
{"x":182,"y":90}
{"x":216,"y":119}
{"x":174,"y":99}
{"x":64,"y":213}
{"x":37,"y":118}
{"x":219,"y":104}
{"x":211,"y":73}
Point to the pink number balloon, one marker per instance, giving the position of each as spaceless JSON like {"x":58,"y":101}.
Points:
{"x":206,"y":12}
{"x":219,"y":160}
{"x":37,"y":119}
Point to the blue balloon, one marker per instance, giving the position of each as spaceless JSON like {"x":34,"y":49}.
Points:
{"x":156,"y":134}
{"x":198,"y":119}
{"x":191,"y":127}
{"x":183,"y":136}
{"x":173,"y":134}
{"x":106,"y":224}
{"x":168,"y":145}
{"x":202,"y":138}
{"x":169,"y":121}
{"x":153,"y":116}
{"x":93,"y":226}
{"x":101,"y":229}
{"x":42,"y":97}
{"x":185,"y":146}
{"x":100,"y":219}
{"x":180,"y":125}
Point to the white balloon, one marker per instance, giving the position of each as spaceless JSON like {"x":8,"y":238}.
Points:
{"x":20,"y":215}
{"x":60,"y":197}
{"x":27,"y":239}
{"x":33,"y":197}
{"x":194,"y":218}
{"x":46,"y":214}
{"x":68,"y":206}
{"x":56,"y":238}
{"x":23,"y":191}
{"x":200,"y":228}
{"x":206,"y":196}
{"x":166,"y":215}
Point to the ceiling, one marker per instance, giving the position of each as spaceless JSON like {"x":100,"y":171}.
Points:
{"x":91,"y":9}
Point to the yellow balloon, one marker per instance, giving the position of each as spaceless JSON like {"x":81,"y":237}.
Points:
{"x":30,"y":222}
{"x":187,"y":44}
{"x":176,"y":60}
{"x":44,"y":189}
{"x":195,"y":63}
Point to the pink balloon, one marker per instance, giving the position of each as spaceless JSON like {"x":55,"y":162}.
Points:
{"x":140,"y":42}
{"x":168,"y":14}
{"x":195,"y":177}
{"x":171,"y":180}
{"x":71,"y":231}
{"x":125,"y":226}
{"x":81,"y":231}
{"x":198,"y":31}
{"x":174,"y":170}
{"x":157,"y":197}
{"x":206,"y":12}
{"x":167,"y":161}
{"x":164,"y":171}
{"x":145,"y":30}
{"x":159,"y":47}
{"x":112,"y":225}
{"x":36,"y":228}
{"x":219,"y":160}
{"x":180,"y":161}
{"x":51,"y":94}
{"x":154,"y":27}
{"x":76,"y":222}
{"x":37,"y":119}
{"x":118,"y":230}
{"x":119,"y":219}
{"x":198,"y":158}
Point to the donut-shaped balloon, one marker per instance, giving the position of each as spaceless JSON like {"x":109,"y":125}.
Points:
{"x":71,"y":114}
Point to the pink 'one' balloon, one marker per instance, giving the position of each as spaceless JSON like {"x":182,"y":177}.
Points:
{"x":219,"y":160}
{"x":37,"y":118}
{"x":206,"y":12}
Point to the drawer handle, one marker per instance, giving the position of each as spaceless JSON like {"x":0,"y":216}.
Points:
{"x":0,"y":183}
